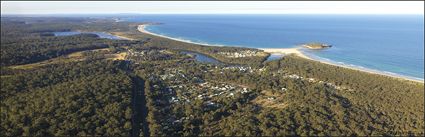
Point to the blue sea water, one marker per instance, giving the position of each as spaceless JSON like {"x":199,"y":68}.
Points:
{"x":387,"y":43}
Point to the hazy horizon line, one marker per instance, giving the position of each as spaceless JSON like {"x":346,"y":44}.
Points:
{"x":214,"y":13}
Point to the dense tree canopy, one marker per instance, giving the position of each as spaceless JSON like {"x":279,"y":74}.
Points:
{"x":87,"y":98}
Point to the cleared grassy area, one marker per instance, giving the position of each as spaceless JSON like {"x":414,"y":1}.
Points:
{"x":118,"y":56}
{"x":76,"y":56}
{"x":270,"y":99}
{"x":122,"y":35}
{"x":61,"y":59}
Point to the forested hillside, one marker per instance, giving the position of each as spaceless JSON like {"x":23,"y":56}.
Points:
{"x":85,"y":98}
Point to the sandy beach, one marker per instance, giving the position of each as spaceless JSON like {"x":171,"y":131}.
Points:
{"x":142,"y":29}
{"x":296,"y":51}
{"x":372,"y":71}
{"x":287,"y":51}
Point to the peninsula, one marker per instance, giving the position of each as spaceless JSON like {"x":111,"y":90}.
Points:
{"x":316,"y":45}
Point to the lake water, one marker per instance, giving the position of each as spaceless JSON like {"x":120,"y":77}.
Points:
{"x":274,"y":56}
{"x":202,"y":58}
{"x":100,"y":34}
{"x":388,"y":43}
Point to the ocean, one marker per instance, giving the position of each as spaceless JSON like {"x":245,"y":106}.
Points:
{"x":392,"y":44}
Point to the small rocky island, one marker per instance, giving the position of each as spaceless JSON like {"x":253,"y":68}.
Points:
{"x":316,"y":45}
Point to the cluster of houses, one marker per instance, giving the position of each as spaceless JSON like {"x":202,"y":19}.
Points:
{"x":132,"y":52}
{"x":148,"y":54}
{"x":205,"y":92}
{"x":239,"y":68}
{"x":175,"y":76}
{"x":240,"y":54}
{"x":312,"y":80}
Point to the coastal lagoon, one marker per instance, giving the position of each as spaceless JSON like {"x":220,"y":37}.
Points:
{"x":274,"y":56}
{"x":392,"y":44}
{"x":202,"y":58}
{"x":100,"y":34}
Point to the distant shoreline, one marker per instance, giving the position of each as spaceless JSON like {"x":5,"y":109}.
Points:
{"x":142,"y":29}
{"x":286,"y":51}
{"x":372,"y":71}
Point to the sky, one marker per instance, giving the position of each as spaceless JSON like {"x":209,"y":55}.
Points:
{"x":213,"y":7}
